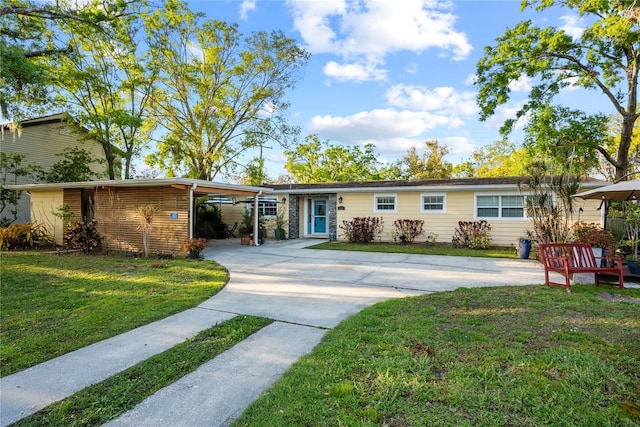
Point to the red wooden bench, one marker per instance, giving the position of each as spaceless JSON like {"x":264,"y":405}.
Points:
{"x":568,"y":259}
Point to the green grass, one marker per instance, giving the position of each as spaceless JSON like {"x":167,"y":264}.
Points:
{"x":421,"y":249}
{"x":107,"y":400}
{"x":52,"y":305}
{"x":525,"y":356}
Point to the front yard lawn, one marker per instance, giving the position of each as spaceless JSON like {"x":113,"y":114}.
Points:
{"x":52,"y":305}
{"x":508,"y":356}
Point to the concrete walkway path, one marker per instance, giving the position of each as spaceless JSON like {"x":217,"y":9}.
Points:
{"x":305,"y":291}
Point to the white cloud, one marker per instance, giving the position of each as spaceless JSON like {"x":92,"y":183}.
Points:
{"x":504,"y":113}
{"x":411,"y":68}
{"x":365,"y":31}
{"x":379,"y":125}
{"x":573,"y":26}
{"x":523,"y":84}
{"x":445,"y":100}
{"x":246,"y":7}
{"x":196,"y":51}
{"x":354,"y":72}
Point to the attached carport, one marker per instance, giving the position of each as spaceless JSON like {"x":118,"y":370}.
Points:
{"x":114,"y":205}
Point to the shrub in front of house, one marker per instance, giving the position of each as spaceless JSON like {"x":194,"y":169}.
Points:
{"x":24,"y":235}
{"x":83,"y":235}
{"x":472,"y":234}
{"x":362,"y":229}
{"x":407,"y":230}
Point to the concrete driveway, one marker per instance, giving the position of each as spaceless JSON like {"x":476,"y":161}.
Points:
{"x":322,"y":287}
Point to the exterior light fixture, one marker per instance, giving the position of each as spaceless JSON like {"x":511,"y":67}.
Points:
{"x":340,"y":199}
{"x":284,"y":200}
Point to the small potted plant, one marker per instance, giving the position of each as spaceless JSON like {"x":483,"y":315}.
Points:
{"x":194,"y":246}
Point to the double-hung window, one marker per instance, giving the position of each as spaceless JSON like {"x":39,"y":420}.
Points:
{"x":432,"y":203}
{"x":266,"y":207}
{"x":384,"y":203}
{"x":492,"y":206}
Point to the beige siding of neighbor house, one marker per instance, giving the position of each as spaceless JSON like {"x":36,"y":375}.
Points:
{"x":459,"y":206}
{"x":119,"y":223}
{"x":40,"y":143}
{"x":44,"y":204}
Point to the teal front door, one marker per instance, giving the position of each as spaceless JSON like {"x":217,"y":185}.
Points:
{"x":319,"y":219}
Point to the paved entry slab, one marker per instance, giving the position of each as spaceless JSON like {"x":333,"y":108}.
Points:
{"x":220,"y":390}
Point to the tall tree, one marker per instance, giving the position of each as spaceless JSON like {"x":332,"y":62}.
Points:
{"x":27,"y":42}
{"x":320,"y":161}
{"x":429,"y":164}
{"x":603,"y":58}
{"x":222,"y":94}
{"x":108,"y":84}
{"x":501,"y":158}
{"x":567,"y":138}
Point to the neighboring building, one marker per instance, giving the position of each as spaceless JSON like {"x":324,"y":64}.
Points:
{"x":115,"y":204}
{"x":318,"y":210}
{"x":40,"y":140}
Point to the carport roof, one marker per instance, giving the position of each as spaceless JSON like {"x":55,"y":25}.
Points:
{"x":198,"y":186}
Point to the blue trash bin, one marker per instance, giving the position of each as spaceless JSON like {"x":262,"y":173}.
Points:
{"x":524,"y":249}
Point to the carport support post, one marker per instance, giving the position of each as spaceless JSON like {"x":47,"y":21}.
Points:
{"x":256,"y":230}
{"x":192,"y":209}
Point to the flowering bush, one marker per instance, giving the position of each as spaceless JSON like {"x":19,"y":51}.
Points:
{"x":195,"y":245}
{"x":592,"y":234}
{"x":406,"y":230}
{"x":362,"y":230}
{"x":472,"y":234}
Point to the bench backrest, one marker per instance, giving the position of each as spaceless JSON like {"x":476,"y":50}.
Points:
{"x":579,"y":255}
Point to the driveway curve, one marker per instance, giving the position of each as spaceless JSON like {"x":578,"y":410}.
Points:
{"x":286,"y":282}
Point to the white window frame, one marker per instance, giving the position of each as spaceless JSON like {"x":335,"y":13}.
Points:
{"x":430,"y":211}
{"x":376,"y":204}
{"x":262,"y":204}
{"x":500,"y":207}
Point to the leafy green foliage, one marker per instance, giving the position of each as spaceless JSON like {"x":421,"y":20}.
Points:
{"x":319,"y":161}
{"x":430,"y":164}
{"x":221,"y":93}
{"x":501,"y":158}
{"x":29,"y":47}
{"x":603,"y":58}
{"x":24,"y":236}
{"x":74,"y":167}
{"x":362,"y":229}
{"x":567,"y":137}
{"x":109,"y":83}
{"x":549,"y":203}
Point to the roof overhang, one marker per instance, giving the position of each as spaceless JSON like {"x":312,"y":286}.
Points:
{"x":196,"y":185}
{"x":408,"y":187}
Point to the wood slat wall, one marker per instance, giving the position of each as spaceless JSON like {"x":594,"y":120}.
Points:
{"x":72,"y":197}
{"x":119,"y":223}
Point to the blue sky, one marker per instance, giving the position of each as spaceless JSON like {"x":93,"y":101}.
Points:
{"x":394,"y":73}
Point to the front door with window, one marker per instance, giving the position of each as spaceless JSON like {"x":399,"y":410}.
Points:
{"x":317,"y":217}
